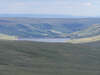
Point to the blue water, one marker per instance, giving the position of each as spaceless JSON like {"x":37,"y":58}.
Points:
{"x":60,"y":40}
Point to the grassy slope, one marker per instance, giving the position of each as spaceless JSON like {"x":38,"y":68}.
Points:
{"x":31,"y":58}
{"x":85,"y":40}
{"x":7,"y":37}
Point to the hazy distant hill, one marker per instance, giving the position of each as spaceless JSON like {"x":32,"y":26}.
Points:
{"x":47,"y":27}
{"x":41,"y":16}
{"x":31,"y":58}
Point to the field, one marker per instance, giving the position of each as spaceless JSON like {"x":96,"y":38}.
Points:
{"x":37,"y":58}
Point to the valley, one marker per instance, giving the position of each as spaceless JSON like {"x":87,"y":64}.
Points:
{"x":35,"y":46}
{"x":48,"y":28}
{"x":49,"y":37}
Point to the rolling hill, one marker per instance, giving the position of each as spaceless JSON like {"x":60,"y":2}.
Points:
{"x":81,"y":30}
{"x":90,"y":34}
{"x":35,"y":58}
{"x":47,"y":27}
{"x":92,"y":30}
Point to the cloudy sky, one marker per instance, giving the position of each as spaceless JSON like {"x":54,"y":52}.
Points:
{"x":64,"y":7}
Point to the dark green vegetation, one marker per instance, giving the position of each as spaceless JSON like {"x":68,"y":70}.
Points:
{"x":34,"y":58}
{"x":52,"y":28}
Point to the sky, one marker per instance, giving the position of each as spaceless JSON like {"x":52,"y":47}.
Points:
{"x":62,"y":7}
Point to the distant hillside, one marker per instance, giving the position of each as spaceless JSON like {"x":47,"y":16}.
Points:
{"x":88,"y":35}
{"x":32,"y":58}
{"x":47,"y":27}
{"x":40,"y":16}
{"x":92,"y":30}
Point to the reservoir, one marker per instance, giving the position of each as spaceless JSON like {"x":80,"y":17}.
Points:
{"x":52,"y":40}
